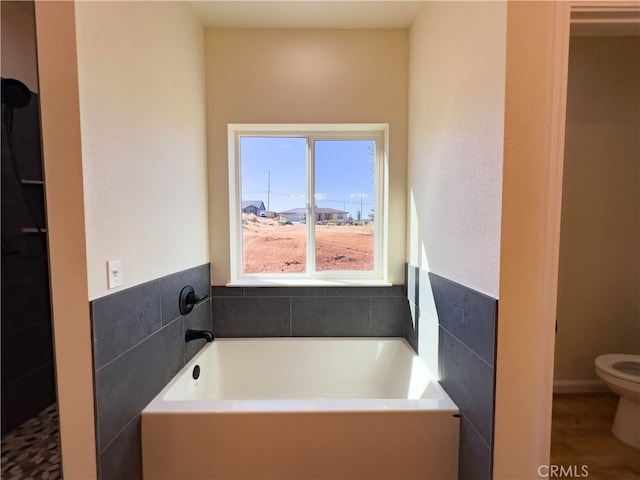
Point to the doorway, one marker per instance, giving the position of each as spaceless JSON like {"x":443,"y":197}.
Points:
{"x":599,"y":265}
{"x":30,"y":445}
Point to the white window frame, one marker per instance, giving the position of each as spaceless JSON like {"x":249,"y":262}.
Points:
{"x":378,"y":132}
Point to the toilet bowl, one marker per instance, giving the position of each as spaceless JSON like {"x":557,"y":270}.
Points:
{"x":621,"y":373}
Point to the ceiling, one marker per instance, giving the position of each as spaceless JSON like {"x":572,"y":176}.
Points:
{"x":322,"y":14}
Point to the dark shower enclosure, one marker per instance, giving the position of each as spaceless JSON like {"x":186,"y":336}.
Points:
{"x":28,"y":378}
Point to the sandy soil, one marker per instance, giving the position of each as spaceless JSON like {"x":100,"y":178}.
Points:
{"x":270,"y":247}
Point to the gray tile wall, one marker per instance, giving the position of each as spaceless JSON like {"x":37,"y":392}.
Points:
{"x":466,"y":358}
{"x":138,"y":346}
{"x":310,"y":311}
{"x":413,"y":297}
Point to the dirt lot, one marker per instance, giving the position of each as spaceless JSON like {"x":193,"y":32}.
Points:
{"x":270,"y":247}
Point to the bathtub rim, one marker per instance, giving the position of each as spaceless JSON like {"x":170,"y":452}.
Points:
{"x":159,"y":405}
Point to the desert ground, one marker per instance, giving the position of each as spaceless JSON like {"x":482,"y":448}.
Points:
{"x":270,"y":246}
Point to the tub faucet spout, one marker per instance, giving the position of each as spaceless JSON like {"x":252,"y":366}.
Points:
{"x":196,"y":334}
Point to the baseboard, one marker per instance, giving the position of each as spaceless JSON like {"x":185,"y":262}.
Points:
{"x":579,"y":386}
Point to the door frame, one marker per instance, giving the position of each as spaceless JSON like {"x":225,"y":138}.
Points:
{"x":537,"y":60}
{"x":585,"y":18}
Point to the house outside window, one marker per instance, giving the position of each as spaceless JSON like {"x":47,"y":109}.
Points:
{"x":307,"y":203}
{"x":254,"y":207}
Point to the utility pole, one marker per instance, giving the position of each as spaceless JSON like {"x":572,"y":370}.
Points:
{"x":269,"y":194}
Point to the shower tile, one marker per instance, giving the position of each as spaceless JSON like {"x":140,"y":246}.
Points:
{"x":251,"y":316}
{"x":126,"y":385}
{"x":29,"y":394}
{"x":123,"y":319}
{"x":219,"y":291}
{"x":24,"y":352}
{"x":468,"y":315}
{"x":392,"y":291}
{"x":284,"y":291}
{"x":26,"y":138}
{"x":35,"y":196}
{"x":234,"y":316}
{"x":413,"y":284}
{"x":426,"y":302}
{"x":412,"y":325}
{"x":474,"y":461}
{"x":25,"y":304}
{"x":388,"y":316}
{"x":15,"y":213}
{"x":122,"y":458}
{"x":331,"y":317}
{"x":171,"y":286}
{"x":469,"y":381}
{"x":17,"y":269}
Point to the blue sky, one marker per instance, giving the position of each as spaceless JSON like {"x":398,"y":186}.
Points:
{"x":343,"y":173}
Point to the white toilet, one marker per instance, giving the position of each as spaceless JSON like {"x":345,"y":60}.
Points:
{"x":621,"y":373}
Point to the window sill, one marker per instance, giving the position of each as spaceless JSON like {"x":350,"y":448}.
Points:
{"x":309,"y":283}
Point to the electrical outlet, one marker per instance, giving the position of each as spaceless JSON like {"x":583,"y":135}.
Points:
{"x":114,"y":273}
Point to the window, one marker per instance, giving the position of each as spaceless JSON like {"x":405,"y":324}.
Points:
{"x":307,"y":203}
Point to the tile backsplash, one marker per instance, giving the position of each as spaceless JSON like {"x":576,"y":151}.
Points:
{"x":138,"y":346}
{"x":310,"y":311}
{"x":466,"y":330}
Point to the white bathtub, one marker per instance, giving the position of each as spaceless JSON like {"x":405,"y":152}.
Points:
{"x":312,"y":408}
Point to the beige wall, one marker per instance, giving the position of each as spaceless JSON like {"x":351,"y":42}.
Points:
{"x":123,"y":126}
{"x":599,"y":277}
{"x":456,"y":119}
{"x":18,"y":43}
{"x":62,"y":157}
{"x":305,"y":76}
{"x":142,"y":97}
{"x":537,"y":40}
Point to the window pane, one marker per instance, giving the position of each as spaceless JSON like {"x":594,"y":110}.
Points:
{"x":273,"y":192}
{"x":345,"y":200}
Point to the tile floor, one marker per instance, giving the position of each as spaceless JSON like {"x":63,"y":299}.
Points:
{"x":581,"y":435}
{"x":32,"y":451}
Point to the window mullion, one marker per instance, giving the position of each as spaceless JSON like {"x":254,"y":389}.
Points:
{"x":311,"y":208}
{"x":379,"y":207}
